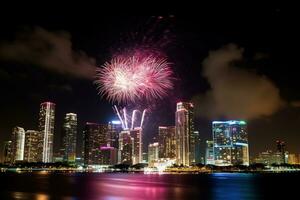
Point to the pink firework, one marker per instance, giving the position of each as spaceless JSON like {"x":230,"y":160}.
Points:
{"x":130,"y":78}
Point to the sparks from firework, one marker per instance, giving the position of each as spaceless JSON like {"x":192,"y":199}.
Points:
{"x":133,"y":117}
{"x":130,"y":121}
{"x":127,"y":79}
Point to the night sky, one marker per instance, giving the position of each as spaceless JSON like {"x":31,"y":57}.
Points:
{"x":49,"y":56}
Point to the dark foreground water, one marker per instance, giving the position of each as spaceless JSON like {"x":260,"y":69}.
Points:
{"x":139,"y":186}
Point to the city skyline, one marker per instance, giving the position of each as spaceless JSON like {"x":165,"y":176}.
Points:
{"x":191,"y":55}
{"x":111,"y":143}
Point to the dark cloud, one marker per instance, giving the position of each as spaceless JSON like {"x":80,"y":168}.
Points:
{"x":235,"y":93}
{"x":295,"y":104}
{"x":4,"y":75}
{"x":52,"y":50}
{"x":261,"y":56}
{"x":61,"y":88}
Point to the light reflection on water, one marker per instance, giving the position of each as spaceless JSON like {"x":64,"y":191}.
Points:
{"x":24,"y":195}
{"x":130,"y":186}
{"x":234,"y":186}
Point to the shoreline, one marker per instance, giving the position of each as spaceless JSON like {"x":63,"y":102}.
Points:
{"x":72,"y":171}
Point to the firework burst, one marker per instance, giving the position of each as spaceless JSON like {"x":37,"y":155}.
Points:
{"x":126,"y":79}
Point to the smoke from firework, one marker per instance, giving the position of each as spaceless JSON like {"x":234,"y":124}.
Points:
{"x":129,"y":77}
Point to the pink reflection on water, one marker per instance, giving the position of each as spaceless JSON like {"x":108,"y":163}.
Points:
{"x":133,"y":187}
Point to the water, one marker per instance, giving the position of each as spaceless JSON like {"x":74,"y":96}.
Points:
{"x":139,"y":186}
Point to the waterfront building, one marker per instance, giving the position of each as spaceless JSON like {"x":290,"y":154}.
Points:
{"x":184,"y":128}
{"x":230,"y":143}
{"x":46,"y":131}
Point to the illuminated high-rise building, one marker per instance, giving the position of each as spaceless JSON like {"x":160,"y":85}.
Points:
{"x":230,"y":143}
{"x":7,"y":152}
{"x":18,"y":142}
{"x":108,"y":155}
{"x":114,"y":128}
{"x":94,"y":139}
{"x":292,"y":159}
{"x":31,"y":146}
{"x":130,"y":146}
{"x":46,"y":130}
{"x":136,"y":135}
{"x":209,"y":153}
{"x":266,"y":157}
{"x":145,"y":157}
{"x":69,"y":137}
{"x":153,"y":153}
{"x":269,"y":157}
{"x":281,"y":150}
{"x":125,"y":147}
{"x":184,"y":127}
{"x":195,"y":156}
{"x":167,"y":142}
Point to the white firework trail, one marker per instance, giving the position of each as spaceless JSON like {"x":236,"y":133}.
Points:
{"x":128,"y":121}
{"x":143,"y":116}
{"x":133,"y":118}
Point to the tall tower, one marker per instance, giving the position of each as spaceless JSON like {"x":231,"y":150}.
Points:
{"x":136,"y":136}
{"x":108,"y":155}
{"x":114,"y":128}
{"x":7,"y":152}
{"x":31,"y":146}
{"x":94,"y":139}
{"x":195,"y":140}
{"x":281,"y":150}
{"x":230,"y":143}
{"x":69,"y":137}
{"x":184,"y":126}
{"x":18,"y":142}
{"x":152,"y":154}
{"x":167,"y":142}
{"x":209,"y":153}
{"x":125,"y":147}
{"x":46,"y":129}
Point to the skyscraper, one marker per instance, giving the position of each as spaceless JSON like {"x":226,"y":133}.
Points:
{"x":230,"y":143}
{"x":184,"y":126}
{"x":31,"y":146}
{"x":108,"y":155}
{"x":125,"y":147}
{"x":136,"y":136}
{"x":195,"y":156}
{"x":114,"y":128}
{"x":152,"y":153}
{"x":167,"y":142}
{"x":94,"y":139}
{"x":69,"y":137}
{"x":292,"y":159}
{"x":281,"y":150}
{"x":145,"y":157}
{"x":209,"y":153}
{"x":7,"y":152}
{"x":198,"y":155}
{"x":269,"y":157}
{"x":46,"y":129}
{"x":18,"y":142}
{"x":266,"y":157}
